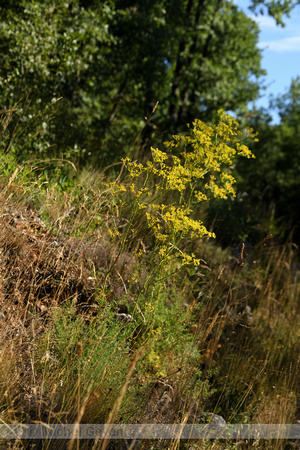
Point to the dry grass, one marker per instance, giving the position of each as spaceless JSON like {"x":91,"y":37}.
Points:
{"x":66,"y":358}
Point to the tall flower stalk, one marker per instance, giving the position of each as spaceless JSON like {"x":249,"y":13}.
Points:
{"x":165,"y":191}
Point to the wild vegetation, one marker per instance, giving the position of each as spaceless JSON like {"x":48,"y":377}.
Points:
{"x":107,"y":281}
{"x":145,"y":278}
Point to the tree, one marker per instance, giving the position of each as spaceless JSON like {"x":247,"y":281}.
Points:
{"x":218,"y":55}
{"x":275,"y":8}
{"x":51,"y":50}
{"x":273,"y":182}
{"x":112,"y":60}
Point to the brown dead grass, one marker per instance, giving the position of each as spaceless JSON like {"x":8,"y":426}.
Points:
{"x":42,"y":269}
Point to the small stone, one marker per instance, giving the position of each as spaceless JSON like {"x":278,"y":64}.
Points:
{"x":122,"y":317}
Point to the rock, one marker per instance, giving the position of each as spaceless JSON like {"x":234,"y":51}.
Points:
{"x":122,"y":317}
{"x":198,"y":416}
{"x":213,"y":419}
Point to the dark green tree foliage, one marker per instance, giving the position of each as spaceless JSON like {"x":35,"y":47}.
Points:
{"x":112,"y":60}
{"x":273,"y":182}
{"x":49,"y":50}
{"x":191,"y":56}
{"x":275,"y":8}
{"x":214,"y":62}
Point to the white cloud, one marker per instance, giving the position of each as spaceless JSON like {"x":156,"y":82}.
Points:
{"x":289,"y":44}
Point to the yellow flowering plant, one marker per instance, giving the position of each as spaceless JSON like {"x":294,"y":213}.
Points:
{"x":166,"y":189}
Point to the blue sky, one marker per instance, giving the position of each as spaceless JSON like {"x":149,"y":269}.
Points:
{"x":281,"y":51}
